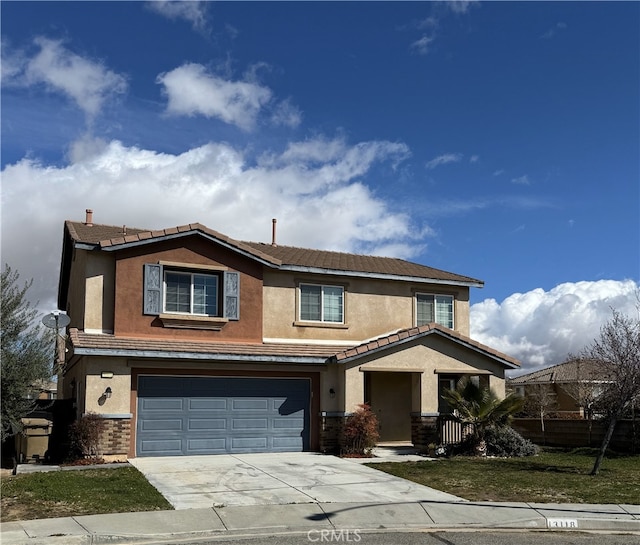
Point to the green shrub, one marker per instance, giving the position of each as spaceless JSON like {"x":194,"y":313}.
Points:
{"x":85,"y":434}
{"x":506,"y":442}
{"x":360,"y":432}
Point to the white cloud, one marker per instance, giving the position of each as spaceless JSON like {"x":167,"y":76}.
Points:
{"x":541,"y":328}
{"x":461,"y":6}
{"x":191,"y":90}
{"x":89,"y":83}
{"x":314,"y":188}
{"x":474,"y":158}
{"x":444,"y":159}
{"x":421,"y":46}
{"x":192,"y":11}
{"x":522,"y":180}
{"x":287,"y":114}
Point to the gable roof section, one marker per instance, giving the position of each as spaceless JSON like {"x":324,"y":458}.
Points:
{"x":407,"y":335}
{"x":110,"y":238}
{"x":570,"y":371}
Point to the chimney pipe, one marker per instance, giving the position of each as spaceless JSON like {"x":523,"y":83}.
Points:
{"x":273,"y":232}
{"x":89,"y":219}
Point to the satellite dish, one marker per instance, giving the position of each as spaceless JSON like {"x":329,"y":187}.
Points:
{"x":55,"y":320}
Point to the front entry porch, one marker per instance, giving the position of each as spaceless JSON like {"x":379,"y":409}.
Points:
{"x":390,"y":395}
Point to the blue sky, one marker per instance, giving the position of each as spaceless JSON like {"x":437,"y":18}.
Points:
{"x":499,"y":140}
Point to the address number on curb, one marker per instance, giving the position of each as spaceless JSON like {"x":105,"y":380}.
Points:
{"x":562,"y":523}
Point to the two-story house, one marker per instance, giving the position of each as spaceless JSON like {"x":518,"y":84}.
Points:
{"x":190,"y":342}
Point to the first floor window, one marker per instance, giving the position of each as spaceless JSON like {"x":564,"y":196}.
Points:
{"x":191,"y":293}
{"x":321,"y":303}
{"x":434,"y":308}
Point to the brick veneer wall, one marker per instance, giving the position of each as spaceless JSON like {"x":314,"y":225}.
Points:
{"x":424,"y":430}
{"x":330,"y":430}
{"x":115,"y":438}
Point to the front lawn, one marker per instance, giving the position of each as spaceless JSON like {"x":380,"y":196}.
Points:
{"x":550,"y":477}
{"x":78,"y":492}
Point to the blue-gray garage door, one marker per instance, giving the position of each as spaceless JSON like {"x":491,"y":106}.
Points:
{"x":221,"y":415}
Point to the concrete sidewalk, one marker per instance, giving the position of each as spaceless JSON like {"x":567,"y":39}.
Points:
{"x":314,"y":517}
{"x":254,"y":488}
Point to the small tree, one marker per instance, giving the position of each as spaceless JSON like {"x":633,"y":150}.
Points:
{"x":481,"y":408}
{"x":617,"y":352}
{"x":360,"y":432}
{"x":540,"y":400}
{"x":27,"y":352}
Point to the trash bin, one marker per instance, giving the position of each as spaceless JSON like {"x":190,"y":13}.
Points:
{"x":33,"y":441}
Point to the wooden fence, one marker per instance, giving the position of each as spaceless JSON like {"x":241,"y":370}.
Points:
{"x":452,"y":432}
{"x":579,"y":433}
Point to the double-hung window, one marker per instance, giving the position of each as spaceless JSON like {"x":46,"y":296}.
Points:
{"x":191,"y":293}
{"x":322,"y":303}
{"x":434,"y":308}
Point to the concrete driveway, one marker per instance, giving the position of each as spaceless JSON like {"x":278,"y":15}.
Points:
{"x":190,"y":482}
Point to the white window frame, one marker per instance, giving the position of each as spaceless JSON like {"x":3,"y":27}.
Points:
{"x":322,"y":287}
{"x":191,"y":275}
{"x":435,"y":309}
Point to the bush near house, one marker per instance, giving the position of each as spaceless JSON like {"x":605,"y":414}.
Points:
{"x":85,"y":434}
{"x":360,"y":432}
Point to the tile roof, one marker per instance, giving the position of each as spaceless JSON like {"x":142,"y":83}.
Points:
{"x":570,"y":371}
{"x":108,"y":237}
{"x":405,"y":335}
{"x":323,"y":259}
{"x":87,"y":343}
{"x":99,"y":344}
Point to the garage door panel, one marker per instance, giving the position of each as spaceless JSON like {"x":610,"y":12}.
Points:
{"x":286,"y":444}
{"x":205,"y":424}
{"x":213,"y":404}
{"x":163,"y":404}
{"x":250,"y":404}
{"x":161,"y":424}
{"x":288,"y":423}
{"x":250,"y":424}
{"x":213,"y":415}
{"x":207,"y":446}
{"x":160,"y":447}
{"x":249,"y":444}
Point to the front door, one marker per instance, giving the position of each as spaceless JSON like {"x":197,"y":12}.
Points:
{"x":389,"y":395}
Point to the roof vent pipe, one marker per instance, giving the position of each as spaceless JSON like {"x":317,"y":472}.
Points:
{"x":273,"y":232}
{"x":89,"y":219}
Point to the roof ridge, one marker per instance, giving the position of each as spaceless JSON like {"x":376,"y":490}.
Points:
{"x":331,"y":251}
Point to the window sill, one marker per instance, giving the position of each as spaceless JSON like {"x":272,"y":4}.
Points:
{"x":186,"y":321}
{"x":326,"y":325}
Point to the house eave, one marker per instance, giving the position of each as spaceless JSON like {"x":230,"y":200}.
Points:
{"x":379,"y":276}
{"x":172,"y":236}
{"x":213,"y":357}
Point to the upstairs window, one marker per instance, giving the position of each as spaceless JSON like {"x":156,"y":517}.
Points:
{"x":176,"y":289}
{"x":434,"y":308}
{"x":321,"y":303}
{"x":191,"y":293}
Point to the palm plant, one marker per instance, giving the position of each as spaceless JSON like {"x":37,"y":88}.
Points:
{"x":481,"y":408}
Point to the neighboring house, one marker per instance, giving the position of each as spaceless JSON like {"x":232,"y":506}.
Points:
{"x":569,"y":388}
{"x":190,"y":342}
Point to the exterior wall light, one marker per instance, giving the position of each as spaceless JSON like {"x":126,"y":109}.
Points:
{"x":332,"y":393}
{"x":107,"y":392}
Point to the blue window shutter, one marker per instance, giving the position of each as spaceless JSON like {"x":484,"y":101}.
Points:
{"x":152,"y":289}
{"x":231,"y":295}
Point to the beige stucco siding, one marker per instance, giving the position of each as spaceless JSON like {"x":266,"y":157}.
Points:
{"x":371,"y":307}
{"x":426,"y":357}
{"x":99,"y":292}
{"x":120,"y":384}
